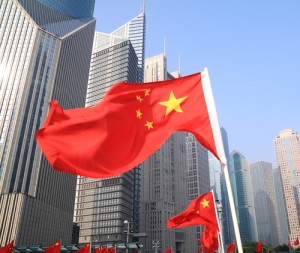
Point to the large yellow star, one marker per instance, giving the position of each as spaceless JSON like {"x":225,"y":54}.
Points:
{"x":204,"y":203}
{"x":173,"y":103}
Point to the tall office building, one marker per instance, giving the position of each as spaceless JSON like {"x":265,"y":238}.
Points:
{"x":102,"y":206}
{"x":38,"y":63}
{"x":287,"y":146}
{"x":280,"y":203}
{"x":267,"y":219}
{"x":227,"y":224}
{"x":164,"y":192}
{"x":215,"y":175}
{"x":243,"y":197}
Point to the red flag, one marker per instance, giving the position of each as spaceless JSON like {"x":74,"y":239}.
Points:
{"x":209,"y":239}
{"x":112,"y":250}
{"x":9,"y":248}
{"x":128,"y":125}
{"x":289,"y":243}
{"x":85,"y":249}
{"x":200,"y":211}
{"x":259,"y":246}
{"x":200,"y":249}
{"x":296,"y":242}
{"x":54,"y":248}
{"x":168,"y":250}
{"x":231,"y":247}
{"x":97,"y":250}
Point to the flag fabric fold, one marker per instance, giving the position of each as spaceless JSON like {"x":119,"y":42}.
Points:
{"x":209,"y":239}
{"x":127,"y":126}
{"x":201,"y":211}
{"x":54,"y":248}
{"x":259,"y":246}
{"x":85,"y":249}
{"x":231,"y":247}
{"x":9,"y":248}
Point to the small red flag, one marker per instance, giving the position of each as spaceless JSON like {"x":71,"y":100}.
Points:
{"x":112,"y":250}
{"x":128,"y":125}
{"x":231,"y":247}
{"x":97,"y":250}
{"x":9,"y":248}
{"x":200,"y":249}
{"x":289,"y":243}
{"x":201,"y":211}
{"x":209,"y":239}
{"x":259,"y":246}
{"x":85,"y":249}
{"x":54,"y":248}
{"x":168,"y":250}
{"x":296,"y":242}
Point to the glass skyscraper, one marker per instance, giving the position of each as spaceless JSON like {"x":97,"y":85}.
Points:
{"x":38,"y":63}
{"x":243,"y":197}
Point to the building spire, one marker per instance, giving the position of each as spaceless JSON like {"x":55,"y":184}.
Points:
{"x":143,"y":6}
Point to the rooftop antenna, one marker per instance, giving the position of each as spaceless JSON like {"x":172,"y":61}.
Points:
{"x":143,"y":7}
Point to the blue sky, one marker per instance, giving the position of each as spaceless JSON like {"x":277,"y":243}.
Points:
{"x":252,"y":52}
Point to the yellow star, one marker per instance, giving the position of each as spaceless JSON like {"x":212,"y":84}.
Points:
{"x":139,"y":114}
{"x":147,"y":92}
{"x":204,"y":203}
{"x":149,"y":125}
{"x":173,"y":103}
{"x":139,"y":98}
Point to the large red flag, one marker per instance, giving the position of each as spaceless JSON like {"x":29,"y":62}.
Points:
{"x":128,"y":125}
{"x":85,"y":249}
{"x":231,"y":247}
{"x":296,"y":242}
{"x":209,"y":239}
{"x":54,"y":248}
{"x":200,"y":211}
{"x":9,"y":248}
{"x":259,"y":246}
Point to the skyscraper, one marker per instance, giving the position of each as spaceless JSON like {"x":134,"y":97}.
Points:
{"x":268,"y":226}
{"x":287,"y":146}
{"x":103,"y":205}
{"x":38,"y":64}
{"x":243,"y":197}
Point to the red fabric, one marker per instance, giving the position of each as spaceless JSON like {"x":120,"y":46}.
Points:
{"x":9,"y":248}
{"x":125,"y":128}
{"x":200,"y":249}
{"x":201,"y":211}
{"x":54,"y":248}
{"x":85,"y":248}
{"x":112,"y":250}
{"x":97,"y":250}
{"x":259,"y":246}
{"x":296,"y":242}
{"x":289,"y":243}
{"x":231,"y":247}
{"x":168,"y":250}
{"x":209,"y":239}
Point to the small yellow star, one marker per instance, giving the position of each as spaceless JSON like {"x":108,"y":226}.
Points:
{"x":139,"y":98}
{"x":147,"y":92}
{"x":204,"y":203}
{"x":149,"y":124}
{"x":139,"y":114}
{"x":173,"y":103}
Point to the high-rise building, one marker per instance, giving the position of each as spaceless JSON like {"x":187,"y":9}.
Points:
{"x":164,"y":181}
{"x":45,"y":54}
{"x":287,"y":146}
{"x":215,"y":175}
{"x":104,"y":208}
{"x":243,"y":197}
{"x":267,"y":219}
{"x":280,"y":203}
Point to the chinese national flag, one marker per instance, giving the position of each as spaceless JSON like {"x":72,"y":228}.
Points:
{"x":112,"y":250}
{"x":54,"y":248}
{"x":200,"y":249}
{"x":168,"y":250}
{"x":9,"y":248}
{"x":289,"y":243}
{"x":128,"y":125}
{"x":201,"y":211}
{"x":97,"y":250}
{"x":209,"y":239}
{"x":85,"y":249}
{"x":231,"y":247}
{"x":296,"y":242}
{"x":259,"y":246}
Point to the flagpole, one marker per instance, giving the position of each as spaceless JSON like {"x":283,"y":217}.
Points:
{"x":220,"y":150}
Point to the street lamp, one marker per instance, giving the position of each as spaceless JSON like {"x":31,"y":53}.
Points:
{"x":156,"y":245}
{"x":127,"y":224}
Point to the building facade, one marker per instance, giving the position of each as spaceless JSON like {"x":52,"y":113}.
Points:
{"x":287,"y":146}
{"x":105,"y":208}
{"x":38,"y":64}
{"x":243,"y":197}
{"x":267,"y":219}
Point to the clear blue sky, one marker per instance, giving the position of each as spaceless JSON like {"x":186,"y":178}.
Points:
{"x":252,"y":52}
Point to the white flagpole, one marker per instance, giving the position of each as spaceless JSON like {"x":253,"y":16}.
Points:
{"x":220,"y":150}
